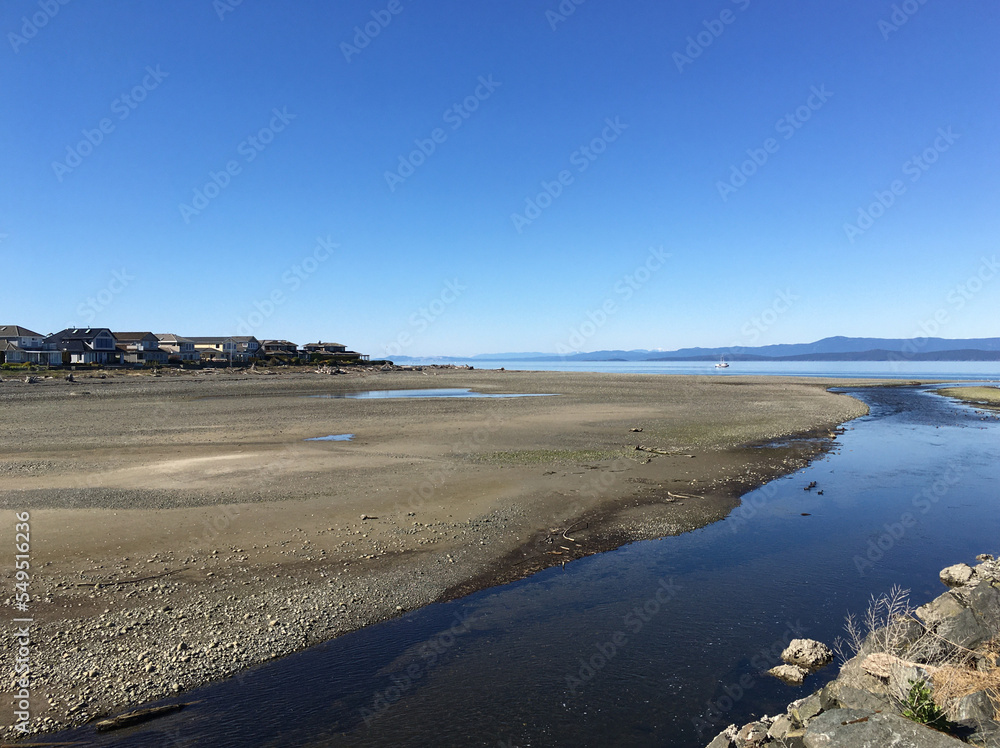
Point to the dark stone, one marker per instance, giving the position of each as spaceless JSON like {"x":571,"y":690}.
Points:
{"x":963,"y":630}
{"x":984,"y":601}
{"x":855,"y":728}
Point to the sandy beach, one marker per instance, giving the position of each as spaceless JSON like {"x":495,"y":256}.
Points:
{"x":183,"y":528}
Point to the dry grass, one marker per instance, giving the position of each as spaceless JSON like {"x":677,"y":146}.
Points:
{"x":885,"y":627}
{"x":889,"y":627}
{"x":954,"y":681}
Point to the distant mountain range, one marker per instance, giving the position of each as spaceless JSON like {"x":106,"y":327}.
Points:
{"x":828,"y":349}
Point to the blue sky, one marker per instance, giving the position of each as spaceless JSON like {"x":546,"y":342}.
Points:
{"x":480,"y":177}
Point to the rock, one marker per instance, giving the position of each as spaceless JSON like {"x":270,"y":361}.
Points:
{"x":807,"y":653}
{"x":853,"y":728}
{"x":941,"y":607}
{"x":985,"y":557}
{"x":838,"y":694}
{"x":753,"y":735}
{"x":879,"y":664}
{"x":963,"y":630}
{"x":781,"y":726}
{"x":976,"y":706}
{"x":725,"y":738}
{"x":985,"y":734}
{"x":984,"y":601}
{"x":803,"y":710}
{"x":958,"y":575}
{"x":905,"y":674}
{"x":790,"y":675}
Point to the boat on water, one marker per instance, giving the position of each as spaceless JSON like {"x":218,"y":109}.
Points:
{"x":722,"y":363}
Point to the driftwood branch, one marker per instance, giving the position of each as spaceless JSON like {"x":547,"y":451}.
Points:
{"x":130,"y":581}
{"x":673,"y":495}
{"x":667,"y":452}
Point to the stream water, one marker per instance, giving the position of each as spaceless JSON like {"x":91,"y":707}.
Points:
{"x":659,"y":643}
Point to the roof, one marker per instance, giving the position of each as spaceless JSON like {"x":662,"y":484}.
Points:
{"x":223,"y":339}
{"x":78,"y":333}
{"x":276,"y":342}
{"x":6,"y":345}
{"x":331,"y":345}
{"x":16,"y":331}
{"x":130,"y":336}
{"x":169,"y":336}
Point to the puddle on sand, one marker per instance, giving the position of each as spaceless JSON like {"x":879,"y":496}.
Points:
{"x":418,"y":394}
{"x":331,"y":438}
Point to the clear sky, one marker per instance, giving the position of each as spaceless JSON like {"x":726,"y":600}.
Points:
{"x":461,"y":177}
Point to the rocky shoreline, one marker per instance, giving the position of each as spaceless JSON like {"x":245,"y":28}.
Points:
{"x":924,"y":678}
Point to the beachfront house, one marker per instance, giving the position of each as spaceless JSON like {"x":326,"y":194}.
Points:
{"x":324,"y":348}
{"x":19,"y":345}
{"x":332,"y":351}
{"x":283,"y":349}
{"x":177,"y":348}
{"x":90,"y":345}
{"x":234,"y":348}
{"x":140,"y":348}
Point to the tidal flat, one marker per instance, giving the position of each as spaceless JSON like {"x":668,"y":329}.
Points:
{"x":184,"y":529}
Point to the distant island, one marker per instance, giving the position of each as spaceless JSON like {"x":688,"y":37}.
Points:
{"x":837,"y":348}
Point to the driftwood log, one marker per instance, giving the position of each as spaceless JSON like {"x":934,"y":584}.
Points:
{"x":137,"y":717}
{"x":667,"y":452}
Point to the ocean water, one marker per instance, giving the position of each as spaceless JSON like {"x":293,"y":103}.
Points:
{"x":934,"y":370}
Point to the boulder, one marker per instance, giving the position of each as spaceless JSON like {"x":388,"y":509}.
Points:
{"x":753,"y":735}
{"x":790,"y":675}
{"x":984,"y":601}
{"x":905,"y":674}
{"x":803,"y":710}
{"x":854,"y":728}
{"x":781,"y":726}
{"x":725,"y":738}
{"x":963,"y":630}
{"x":984,"y":734}
{"x":807,"y":653}
{"x":941,"y":607}
{"x":958,"y":575}
{"x":977,"y":707}
{"x":838,"y":694}
{"x":879,"y":664}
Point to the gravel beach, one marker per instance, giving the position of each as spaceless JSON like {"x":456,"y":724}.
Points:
{"x":182,"y":528}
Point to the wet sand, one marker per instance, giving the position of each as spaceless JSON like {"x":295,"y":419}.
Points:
{"x":182,"y":529}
